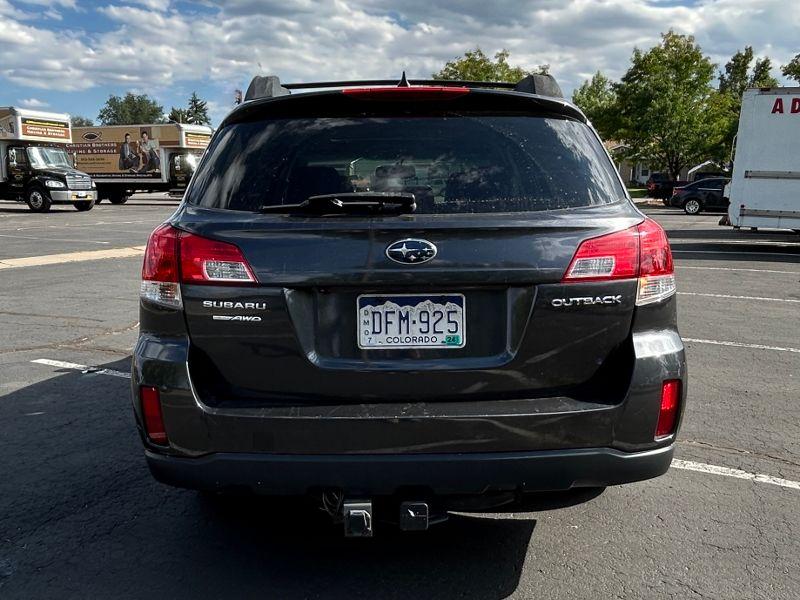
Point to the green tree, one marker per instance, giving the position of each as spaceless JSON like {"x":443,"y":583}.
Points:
{"x":762,"y":74}
{"x":197,"y":111}
{"x":792,"y":69}
{"x":178,"y":115}
{"x":598,"y":100}
{"x":131,"y":109}
{"x":738,"y":75}
{"x":476,"y":66}
{"x":670,"y":114}
{"x":79,"y":121}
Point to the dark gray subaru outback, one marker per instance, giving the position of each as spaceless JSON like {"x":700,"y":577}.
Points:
{"x":413,"y":296}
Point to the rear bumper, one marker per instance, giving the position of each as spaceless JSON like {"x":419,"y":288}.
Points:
{"x":441,"y":474}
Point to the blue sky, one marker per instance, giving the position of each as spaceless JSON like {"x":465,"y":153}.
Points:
{"x":69,"y":55}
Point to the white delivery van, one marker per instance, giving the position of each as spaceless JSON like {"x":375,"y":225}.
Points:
{"x":765,"y":185}
{"x":123,"y":159}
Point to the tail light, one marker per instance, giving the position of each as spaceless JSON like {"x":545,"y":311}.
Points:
{"x":160,"y":272}
{"x":676,"y":190}
{"x":174,"y":257}
{"x":656,"y":270}
{"x":412,"y":93}
{"x":153,"y":419}
{"x":205,"y":261}
{"x":668,"y":413}
{"x":641,"y":252}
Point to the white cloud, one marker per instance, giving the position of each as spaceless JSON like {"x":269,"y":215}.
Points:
{"x":153,"y":46}
{"x":33,"y":103}
{"x":50,"y":3}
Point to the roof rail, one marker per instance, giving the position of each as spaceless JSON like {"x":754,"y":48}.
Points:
{"x":269,"y":87}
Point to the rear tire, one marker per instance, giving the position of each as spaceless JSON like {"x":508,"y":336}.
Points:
{"x":83,"y":206}
{"x":692,"y":206}
{"x":118,"y":198}
{"x":38,"y":199}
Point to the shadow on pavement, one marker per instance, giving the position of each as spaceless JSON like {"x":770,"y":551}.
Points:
{"x":22,"y":208}
{"x":728,"y":245}
{"x":80,"y":516}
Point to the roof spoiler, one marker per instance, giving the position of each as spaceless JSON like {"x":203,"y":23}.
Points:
{"x":270,"y":86}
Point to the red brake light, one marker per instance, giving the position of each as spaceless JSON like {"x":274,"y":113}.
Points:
{"x":160,"y":268}
{"x":205,"y":261}
{"x":174,"y":257}
{"x":640,"y":251}
{"x":668,"y":413}
{"x":611,"y":256}
{"x":151,"y":411}
{"x":161,"y":257}
{"x":655,"y":254}
{"x":428,"y":92}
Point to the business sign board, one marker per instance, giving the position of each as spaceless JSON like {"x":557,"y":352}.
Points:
{"x":192,"y":139}
{"x":123,"y":152}
{"x":47,"y":129}
{"x":34,"y":126}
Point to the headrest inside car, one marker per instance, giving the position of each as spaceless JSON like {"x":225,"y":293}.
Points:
{"x":399,"y":171}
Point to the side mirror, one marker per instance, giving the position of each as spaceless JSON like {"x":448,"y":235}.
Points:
{"x":12,"y":158}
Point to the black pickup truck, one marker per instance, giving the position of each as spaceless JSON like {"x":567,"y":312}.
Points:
{"x":661,"y":185}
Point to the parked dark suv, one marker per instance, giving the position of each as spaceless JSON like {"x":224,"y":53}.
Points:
{"x":427,"y":297}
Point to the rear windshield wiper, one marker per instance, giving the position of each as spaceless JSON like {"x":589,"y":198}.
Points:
{"x":348,"y":203}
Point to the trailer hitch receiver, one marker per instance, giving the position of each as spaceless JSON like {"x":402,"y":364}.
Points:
{"x":357,"y":516}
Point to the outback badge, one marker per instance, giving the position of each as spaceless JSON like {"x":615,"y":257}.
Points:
{"x":411,"y":251}
{"x":587,"y":301}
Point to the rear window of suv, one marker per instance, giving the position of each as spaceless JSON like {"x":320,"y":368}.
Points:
{"x":453,"y":163}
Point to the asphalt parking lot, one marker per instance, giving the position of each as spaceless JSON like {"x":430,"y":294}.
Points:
{"x":80,"y":516}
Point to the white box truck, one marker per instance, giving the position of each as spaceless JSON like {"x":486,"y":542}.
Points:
{"x":34,"y":164}
{"x":765,"y":185}
{"x":123,"y":159}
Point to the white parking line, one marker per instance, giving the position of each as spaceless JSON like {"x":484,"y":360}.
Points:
{"x":737,"y":252}
{"x":737,"y":269}
{"x":742,"y":345}
{"x":731,"y":297}
{"x":83,"y":368}
{"x":56,"y":259}
{"x":728,"y":242}
{"x":51,"y":239}
{"x":690,"y":465}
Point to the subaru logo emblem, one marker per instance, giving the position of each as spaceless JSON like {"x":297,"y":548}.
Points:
{"x":411,"y":251}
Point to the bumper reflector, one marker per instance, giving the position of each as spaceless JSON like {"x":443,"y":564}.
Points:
{"x":153,"y":420}
{"x":668,"y":415}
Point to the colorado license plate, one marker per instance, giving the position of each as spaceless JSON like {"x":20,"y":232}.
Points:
{"x":411,"y":321}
